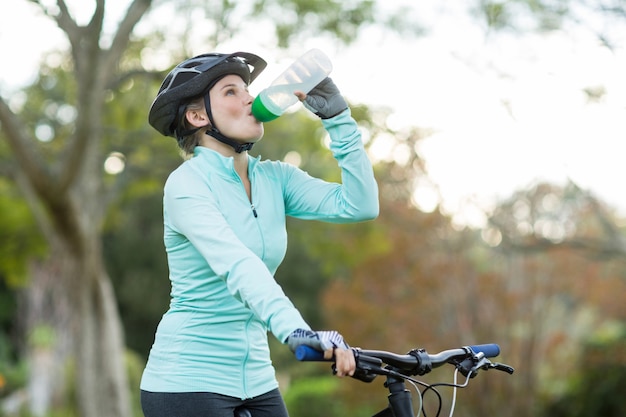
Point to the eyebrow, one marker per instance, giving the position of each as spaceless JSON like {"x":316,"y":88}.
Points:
{"x":233,"y":85}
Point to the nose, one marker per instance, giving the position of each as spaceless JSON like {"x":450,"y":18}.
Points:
{"x":248,"y":98}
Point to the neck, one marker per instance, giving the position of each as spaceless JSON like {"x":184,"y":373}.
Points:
{"x":240,"y":159}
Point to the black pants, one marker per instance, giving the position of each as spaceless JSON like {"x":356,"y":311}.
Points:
{"x":206,"y":404}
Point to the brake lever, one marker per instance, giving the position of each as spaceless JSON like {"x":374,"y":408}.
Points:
{"x":502,"y":367}
{"x":471,"y":366}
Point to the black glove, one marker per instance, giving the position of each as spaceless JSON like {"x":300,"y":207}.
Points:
{"x":325,"y":100}
{"x":321,"y":341}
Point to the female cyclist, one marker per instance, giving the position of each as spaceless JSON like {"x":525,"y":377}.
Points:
{"x":224,"y":233}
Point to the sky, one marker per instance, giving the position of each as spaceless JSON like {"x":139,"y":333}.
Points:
{"x":506,"y":111}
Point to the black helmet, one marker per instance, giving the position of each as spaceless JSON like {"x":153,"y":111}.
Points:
{"x":193,"y":78}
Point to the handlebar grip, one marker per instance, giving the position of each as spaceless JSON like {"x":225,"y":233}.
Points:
{"x":490,"y":350}
{"x":309,"y":354}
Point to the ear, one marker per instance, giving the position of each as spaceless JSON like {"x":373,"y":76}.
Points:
{"x":197,"y":118}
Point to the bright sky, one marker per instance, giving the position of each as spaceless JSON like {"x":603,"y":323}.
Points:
{"x":507,"y":112}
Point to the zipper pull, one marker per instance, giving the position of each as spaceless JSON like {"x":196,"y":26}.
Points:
{"x":253,"y":210}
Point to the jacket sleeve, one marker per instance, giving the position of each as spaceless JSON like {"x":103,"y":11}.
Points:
{"x":355,"y":199}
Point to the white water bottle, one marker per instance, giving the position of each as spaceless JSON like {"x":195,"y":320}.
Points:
{"x":304,"y":74}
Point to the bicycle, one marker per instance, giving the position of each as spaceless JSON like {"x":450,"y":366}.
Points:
{"x":399,"y":370}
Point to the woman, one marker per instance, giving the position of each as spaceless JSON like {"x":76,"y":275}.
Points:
{"x":224,"y":233}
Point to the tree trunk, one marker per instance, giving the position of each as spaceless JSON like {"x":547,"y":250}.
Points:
{"x":45,"y":316}
{"x":102,"y":382}
{"x":84,"y":320}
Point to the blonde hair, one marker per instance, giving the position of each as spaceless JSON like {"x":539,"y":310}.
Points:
{"x":188,"y":143}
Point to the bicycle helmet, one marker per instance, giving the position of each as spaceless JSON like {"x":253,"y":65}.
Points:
{"x":194,"y":78}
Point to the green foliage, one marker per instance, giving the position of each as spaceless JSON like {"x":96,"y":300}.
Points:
{"x":598,"y":388}
{"x":134,"y":367}
{"x":324,"y":396}
{"x":405,"y":263}
{"x":340,"y":19}
{"x":42,"y":337}
{"x":313,"y":397}
{"x":495,"y":14}
{"x":546,"y":15}
{"x":14,"y":377}
{"x":13,"y":371}
{"x":19,"y":238}
{"x":8,"y":303}
{"x":290,"y":22}
{"x":49,"y":112}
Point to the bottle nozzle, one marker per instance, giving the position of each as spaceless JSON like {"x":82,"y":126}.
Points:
{"x":261,"y":112}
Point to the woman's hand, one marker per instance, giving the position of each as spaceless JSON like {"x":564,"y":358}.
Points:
{"x":345,"y":364}
{"x":329,"y":342}
{"x":324,"y":99}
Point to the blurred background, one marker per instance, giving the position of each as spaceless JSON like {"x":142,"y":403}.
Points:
{"x":496,"y":129}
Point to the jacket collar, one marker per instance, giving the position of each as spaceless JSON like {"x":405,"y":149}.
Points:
{"x":215,"y":162}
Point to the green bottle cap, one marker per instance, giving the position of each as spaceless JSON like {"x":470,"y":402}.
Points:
{"x":262,"y":113}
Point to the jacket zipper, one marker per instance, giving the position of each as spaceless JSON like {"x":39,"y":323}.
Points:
{"x":256,"y":215}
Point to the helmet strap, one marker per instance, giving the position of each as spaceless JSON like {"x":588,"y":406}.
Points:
{"x":214,"y":132}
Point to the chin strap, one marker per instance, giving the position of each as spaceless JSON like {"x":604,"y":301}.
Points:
{"x":237,"y":146}
{"x":215,"y":133}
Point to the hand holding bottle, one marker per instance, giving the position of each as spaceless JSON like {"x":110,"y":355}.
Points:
{"x":302,"y":75}
{"x":324,"y":99}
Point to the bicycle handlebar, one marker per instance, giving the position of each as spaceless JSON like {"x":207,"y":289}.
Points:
{"x":418,"y":361}
{"x":491,"y":350}
{"x":397,"y":368}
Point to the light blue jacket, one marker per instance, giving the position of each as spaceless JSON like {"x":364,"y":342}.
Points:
{"x":223,"y":252}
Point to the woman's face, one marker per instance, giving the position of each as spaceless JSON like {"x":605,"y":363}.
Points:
{"x":231,"y":105}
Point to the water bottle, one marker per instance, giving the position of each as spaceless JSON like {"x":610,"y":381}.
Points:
{"x":304,"y":74}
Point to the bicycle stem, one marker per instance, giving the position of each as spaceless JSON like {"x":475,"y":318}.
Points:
{"x":399,"y":397}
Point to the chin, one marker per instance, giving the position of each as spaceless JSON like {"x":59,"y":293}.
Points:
{"x":250,"y":139}
{"x":259,"y":134}
{"x":248,"y":134}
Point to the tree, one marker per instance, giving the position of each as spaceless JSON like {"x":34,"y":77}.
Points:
{"x":68,"y":202}
{"x":546,"y":277}
{"x":600,"y":378}
{"x":598,"y":17}
{"x":59,"y":154}
{"x":548,"y":217}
